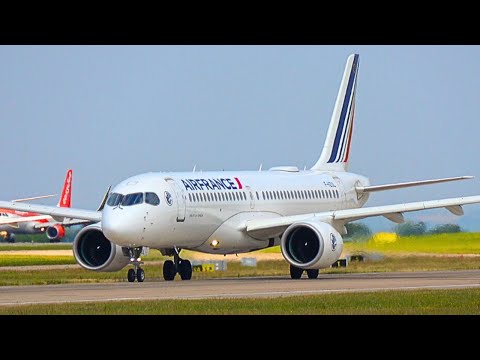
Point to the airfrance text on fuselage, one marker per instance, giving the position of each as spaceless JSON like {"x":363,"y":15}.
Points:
{"x":212,"y":184}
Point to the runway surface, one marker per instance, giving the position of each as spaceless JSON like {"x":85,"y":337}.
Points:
{"x":238,"y":287}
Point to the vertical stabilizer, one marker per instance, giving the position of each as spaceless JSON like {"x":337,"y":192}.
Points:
{"x":336,"y":150}
{"x":65,"y":198}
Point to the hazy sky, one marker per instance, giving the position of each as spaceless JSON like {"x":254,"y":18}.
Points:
{"x":110,"y":112}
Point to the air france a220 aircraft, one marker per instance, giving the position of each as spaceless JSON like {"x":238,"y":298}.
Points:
{"x":304,"y":212}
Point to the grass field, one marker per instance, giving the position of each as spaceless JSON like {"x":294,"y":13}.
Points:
{"x":34,"y":246}
{"x":460,"y":243}
{"x":28,"y":260}
{"x":427,"y":302}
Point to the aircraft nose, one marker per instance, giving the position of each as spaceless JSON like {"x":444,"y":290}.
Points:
{"x":119,"y":228}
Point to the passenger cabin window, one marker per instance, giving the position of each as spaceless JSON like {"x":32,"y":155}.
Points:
{"x":132,"y":199}
{"x":114,"y":199}
{"x":153,"y":199}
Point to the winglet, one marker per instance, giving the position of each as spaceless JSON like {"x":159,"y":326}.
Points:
{"x":65,"y":198}
{"x":104,"y":199}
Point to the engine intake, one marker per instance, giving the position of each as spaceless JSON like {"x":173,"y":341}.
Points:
{"x":55,"y":232}
{"x":311,"y":245}
{"x":93,"y":251}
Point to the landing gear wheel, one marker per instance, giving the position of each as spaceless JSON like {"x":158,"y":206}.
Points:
{"x":131,"y":275}
{"x":185,"y":270}
{"x":169,"y":270}
{"x":140,"y":275}
{"x":312,"y":273}
{"x":295,"y":272}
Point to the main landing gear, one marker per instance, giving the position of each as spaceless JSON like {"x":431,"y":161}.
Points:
{"x":178,"y":265}
{"x":137,"y":273}
{"x":296,"y":273}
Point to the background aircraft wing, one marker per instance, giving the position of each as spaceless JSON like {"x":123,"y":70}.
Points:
{"x":65,"y":223}
{"x":266,"y":228}
{"x":57,"y":213}
{"x":35,"y":198}
{"x":19,"y":219}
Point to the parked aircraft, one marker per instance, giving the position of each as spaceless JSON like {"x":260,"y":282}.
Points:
{"x":26,"y":222}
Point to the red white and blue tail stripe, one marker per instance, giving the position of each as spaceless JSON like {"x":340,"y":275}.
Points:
{"x":335,"y":154}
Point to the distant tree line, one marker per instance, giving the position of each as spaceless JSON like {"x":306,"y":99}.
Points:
{"x":408,"y":228}
{"x":420,"y":228}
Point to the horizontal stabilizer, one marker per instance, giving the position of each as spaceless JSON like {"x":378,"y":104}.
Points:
{"x":367,"y":189}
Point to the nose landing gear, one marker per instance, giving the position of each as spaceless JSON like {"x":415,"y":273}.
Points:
{"x":179,"y":265}
{"x":137,"y":272}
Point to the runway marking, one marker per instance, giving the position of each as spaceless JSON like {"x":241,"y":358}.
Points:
{"x":248,"y":294}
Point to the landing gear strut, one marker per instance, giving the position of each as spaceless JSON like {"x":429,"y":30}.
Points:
{"x":183,"y":267}
{"x":137,"y":272}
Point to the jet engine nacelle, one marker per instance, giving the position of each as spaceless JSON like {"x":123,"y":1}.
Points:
{"x":93,"y":251}
{"x":311,"y":245}
{"x":55,"y":232}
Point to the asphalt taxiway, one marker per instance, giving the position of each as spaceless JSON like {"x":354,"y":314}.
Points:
{"x":237,"y":287}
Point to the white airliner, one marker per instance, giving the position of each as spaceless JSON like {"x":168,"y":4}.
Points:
{"x":222,"y":212}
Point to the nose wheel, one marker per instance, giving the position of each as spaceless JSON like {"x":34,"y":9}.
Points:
{"x":137,"y":273}
{"x":179,"y":265}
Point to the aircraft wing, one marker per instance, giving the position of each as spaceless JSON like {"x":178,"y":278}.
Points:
{"x":20,"y":219}
{"x":57,"y":213}
{"x":266,"y":228}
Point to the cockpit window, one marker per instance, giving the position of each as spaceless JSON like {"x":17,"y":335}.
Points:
{"x":152,"y":198}
{"x":114,"y":199}
{"x":132,"y":199}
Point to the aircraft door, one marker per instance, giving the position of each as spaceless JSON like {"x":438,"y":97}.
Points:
{"x":180,"y":200}
{"x":252,"y":199}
